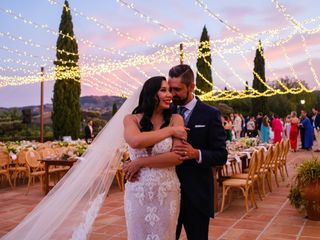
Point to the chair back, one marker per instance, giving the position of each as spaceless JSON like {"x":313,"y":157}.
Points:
{"x":252,"y":167}
{"x":276,"y":154}
{"x":21,"y":157}
{"x":286,"y":148}
{"x":48,"y":144}
{"x":47,"y":153}
{"x":40,"y":146}
{"x":4,"y":159}
{"x":268,"y":158}
{"x":33,"y":159}
{"x":260,"y":159}
{"x":281,"y":150}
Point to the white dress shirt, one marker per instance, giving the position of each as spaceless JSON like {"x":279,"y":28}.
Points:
{"x":190,"y":106}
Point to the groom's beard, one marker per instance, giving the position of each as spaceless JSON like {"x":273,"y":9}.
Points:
{"x":180,"y":101}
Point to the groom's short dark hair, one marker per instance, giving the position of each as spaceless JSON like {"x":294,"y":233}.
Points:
{"x":184,"y":71}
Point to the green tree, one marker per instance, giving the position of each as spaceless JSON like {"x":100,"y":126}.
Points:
{"x":66,"y":114}
{"x":284,"y":104}
{"x":204,"y":64}
{"x":259,"y":104}
{"x":114,"y":108}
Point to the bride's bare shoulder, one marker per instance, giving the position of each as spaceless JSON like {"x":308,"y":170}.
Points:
{"x":132,"y":118}
{"x":176,"y":118}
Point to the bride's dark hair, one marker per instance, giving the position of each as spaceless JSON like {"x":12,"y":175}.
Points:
{"x":148,"y":101}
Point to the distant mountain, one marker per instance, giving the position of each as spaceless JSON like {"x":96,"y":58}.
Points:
{"x":101,"y":102}
{"x":95,"y":103}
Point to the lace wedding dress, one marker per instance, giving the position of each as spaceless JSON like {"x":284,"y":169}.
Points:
{"x":152,"y":203}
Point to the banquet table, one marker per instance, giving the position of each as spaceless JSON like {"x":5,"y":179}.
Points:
{"x":54,"y":162}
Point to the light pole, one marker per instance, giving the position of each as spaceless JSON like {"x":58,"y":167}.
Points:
{"x":41,"y":105}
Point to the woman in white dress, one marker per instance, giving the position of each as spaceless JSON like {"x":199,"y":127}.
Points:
{"x":152,"y":200}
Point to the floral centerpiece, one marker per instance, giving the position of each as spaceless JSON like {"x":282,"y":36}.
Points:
{"x":81,"y":148}
{"x":250,"y":142}
{"x":12,"y":148}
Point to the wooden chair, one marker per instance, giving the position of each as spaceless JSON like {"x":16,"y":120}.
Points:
{"x":235,"y":165}
{"x":245,"y":185}
{"x":48,"y":144}
{"x":4,"y":165}
{"x":274,"y":165}
{"x":265,"y":172}
{"x":282,"y":159}
{"x":35,"y":168}
{"x":119,"y":174}
{"x":20,"y":168}
{"x":120,"y":178}
{"x":257,"y":175}
{"x":46,"y":152}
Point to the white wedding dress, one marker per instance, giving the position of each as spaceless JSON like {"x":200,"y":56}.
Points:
{"x":152,"y":203}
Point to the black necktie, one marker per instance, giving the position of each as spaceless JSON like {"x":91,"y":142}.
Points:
{"x":182,"y":110}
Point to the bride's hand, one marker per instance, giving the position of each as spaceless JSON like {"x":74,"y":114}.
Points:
{"x":131,"y":170}
{"x":179,"y":132}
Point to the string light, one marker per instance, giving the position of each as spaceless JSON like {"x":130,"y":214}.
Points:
{"x":283,"y":10}
{"x":152,"y":20}
{"x":142,"y":15}
{"x":109,"y":28}
{"x":164,"y":55}
{"x":300,"y":28}
{"x":25,"y":54}
{"x":237,"y":30}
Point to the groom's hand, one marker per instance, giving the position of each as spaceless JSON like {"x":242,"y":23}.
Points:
{"x":186,"y":151}
{"x":131,"y":171}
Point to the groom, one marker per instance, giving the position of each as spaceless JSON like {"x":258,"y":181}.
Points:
{"x":204,"y":149}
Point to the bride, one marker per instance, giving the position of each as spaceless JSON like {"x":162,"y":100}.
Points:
{"x":69,"y":209}
{"x":152,"y":202}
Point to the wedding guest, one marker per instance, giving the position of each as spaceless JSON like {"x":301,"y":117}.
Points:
{"x":316,"y":126}
{"x":307,"y":131}
{"x":265,"y":129}
{"x":227,"y":124}
{"x":88,"y":130}
{"x":294,"y":131}
{"x":237,"y":125}
{"x":286,"y":128}
{"x":277,"y":129}
{"x":251,"y":127}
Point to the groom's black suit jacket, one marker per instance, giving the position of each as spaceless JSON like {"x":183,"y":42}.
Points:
{"x":207,"y":134}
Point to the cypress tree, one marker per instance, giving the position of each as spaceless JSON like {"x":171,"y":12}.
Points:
{"x":203,"y":68}
{"x":259,"y":104}
{"x":66,"y":115}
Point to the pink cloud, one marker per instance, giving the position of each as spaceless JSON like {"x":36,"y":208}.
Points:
{"x":293,"y":47}
{"x":250,"y":20}
{"x":303,"y":71}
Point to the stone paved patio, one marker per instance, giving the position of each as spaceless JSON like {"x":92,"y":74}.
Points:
{"x":274,"y":218}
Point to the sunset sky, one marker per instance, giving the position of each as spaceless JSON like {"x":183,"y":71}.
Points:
{"x":182,"y":21}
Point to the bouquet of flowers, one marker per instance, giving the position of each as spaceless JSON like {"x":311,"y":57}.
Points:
{"x":13,"y":147}
{"x":81,"y":148}
{"x":62,"y":144}
{"x":250,"y":142}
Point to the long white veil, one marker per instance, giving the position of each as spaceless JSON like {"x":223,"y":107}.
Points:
{"x":69,"y":210}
